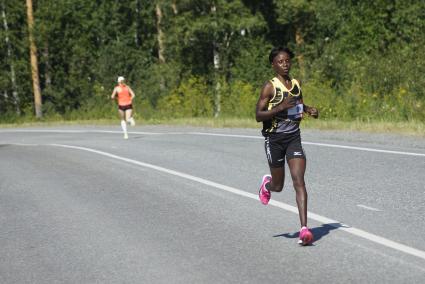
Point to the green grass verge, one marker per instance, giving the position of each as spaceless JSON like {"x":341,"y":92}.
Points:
{"x":411,"y":128}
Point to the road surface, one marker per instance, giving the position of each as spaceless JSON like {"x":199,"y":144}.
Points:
{"x":179,"y":205}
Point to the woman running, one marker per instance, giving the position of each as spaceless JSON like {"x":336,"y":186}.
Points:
{"x":125,"y":107}
{"x":281,"y":108}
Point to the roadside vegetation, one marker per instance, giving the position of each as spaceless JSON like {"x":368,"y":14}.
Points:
{"x":203,"y":62}
{"x":409,"y":128}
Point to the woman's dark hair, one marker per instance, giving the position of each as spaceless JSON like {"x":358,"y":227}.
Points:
{"x":275,"y":51}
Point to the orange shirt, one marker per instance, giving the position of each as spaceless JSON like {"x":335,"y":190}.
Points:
{"x":124,"y":96}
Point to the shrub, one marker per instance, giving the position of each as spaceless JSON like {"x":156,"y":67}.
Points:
{"x":239,"y":100}
{"x":193,"y":98}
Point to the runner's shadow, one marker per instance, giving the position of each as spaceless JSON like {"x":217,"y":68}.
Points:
{"x":136,"y":137}
{"x":318,"y":232}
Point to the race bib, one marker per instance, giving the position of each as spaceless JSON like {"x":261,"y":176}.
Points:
{"x":296,"y":112}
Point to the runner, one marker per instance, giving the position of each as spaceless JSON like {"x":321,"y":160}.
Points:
{"x":280,"y":107}
{"x":125,"y":107}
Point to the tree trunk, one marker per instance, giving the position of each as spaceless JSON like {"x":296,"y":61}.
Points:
{"x":299,"y":40}
{"x":34,"y":63}
{"x":160,"y":38}
{"x":12,"y":69}
{"x":137,"y":29}
{"x":174,"y":7}
{"x":47,"y":77}
{"x":217,"y":99}
{"x":160,"y":33}
{"x":217,"y":61}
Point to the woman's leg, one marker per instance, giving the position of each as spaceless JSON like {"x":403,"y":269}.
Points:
{"x":122,"y":114}
{"x":129,"y":117}
{"x":271,"y":183}
{"x":278,"y":179}
{"x":275,"y":158}
{"x":297,"y":168}
{"x":128,"y":114}
{"x":123,"y":123}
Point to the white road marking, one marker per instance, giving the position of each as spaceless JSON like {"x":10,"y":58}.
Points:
{"x":334,"y":223}
{"x":24,"y":144}
{"x":368,"y":208}
{"x":320,"y":144}
{"x":365,"y":149}
{"x":214,"y":134}
{"x":228,"y":135}
{"x":74,"y":131}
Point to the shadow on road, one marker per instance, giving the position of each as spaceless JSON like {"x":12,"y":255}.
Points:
{"x":136,"y":137}
{"x":318,"y":232}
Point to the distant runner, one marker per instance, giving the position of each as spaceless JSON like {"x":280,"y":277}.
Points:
{"x":280,"y":107}
{"x":125,"y":107}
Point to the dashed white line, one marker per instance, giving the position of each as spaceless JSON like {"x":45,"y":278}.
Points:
{"x":368,"y":207}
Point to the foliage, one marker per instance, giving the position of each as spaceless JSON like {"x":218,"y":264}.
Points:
{"x":191,"y":99}
{"x":358,"y":59}
{"x":239,"y":100}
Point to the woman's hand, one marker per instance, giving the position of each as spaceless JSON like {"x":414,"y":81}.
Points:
{"x":312,"y":111}
{"x":287,"y":103}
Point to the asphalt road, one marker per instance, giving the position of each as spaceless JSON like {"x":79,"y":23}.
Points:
{"x":179,"y":205}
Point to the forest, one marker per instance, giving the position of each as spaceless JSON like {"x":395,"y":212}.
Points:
{"x":357,"y":59}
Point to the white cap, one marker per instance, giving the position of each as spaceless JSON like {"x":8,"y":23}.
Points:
{"x":120,"y":79}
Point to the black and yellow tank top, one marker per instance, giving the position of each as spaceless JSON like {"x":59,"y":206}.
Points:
{"x":286,"y":121}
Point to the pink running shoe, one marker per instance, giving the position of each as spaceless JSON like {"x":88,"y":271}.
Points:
{"x":306,"y":237}
{"x":265,"y":194}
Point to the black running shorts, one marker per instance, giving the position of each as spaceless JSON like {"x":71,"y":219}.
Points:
{"x":126,"y":107}
{"x":279,"y":146}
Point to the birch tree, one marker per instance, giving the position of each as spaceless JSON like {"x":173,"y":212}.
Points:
{"x":15,"y":95}
{"x":160,"y":34}
{"x":211,"y":32}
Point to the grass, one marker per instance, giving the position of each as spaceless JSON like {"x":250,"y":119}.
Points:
{"x":410,"y":128}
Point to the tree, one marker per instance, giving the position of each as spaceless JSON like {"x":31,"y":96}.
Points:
{"x":210,"y":35}
{"x":11,"y":64}
{"x":348,"y":49}
{"x":34,"y":63}
{"x":160,"y":34}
